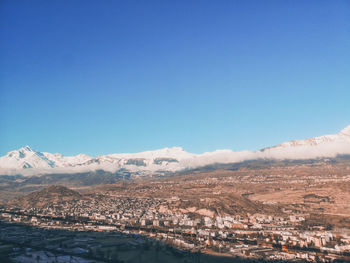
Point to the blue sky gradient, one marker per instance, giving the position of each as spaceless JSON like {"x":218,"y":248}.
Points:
{"x":102,"y":77}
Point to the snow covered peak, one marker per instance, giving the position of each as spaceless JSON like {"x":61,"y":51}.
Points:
{"x":27,"y":149}
{"x":173,"y":152}
{"x":21,"y":153}
{"x":173,"y":149}
{"x":345,"y":131}
{"x":171,"y":159}
{"x":24,"y":158}
{"x":322,"y":146}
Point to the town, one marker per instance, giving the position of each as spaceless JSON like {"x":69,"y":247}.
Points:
{"x":244,"y":235}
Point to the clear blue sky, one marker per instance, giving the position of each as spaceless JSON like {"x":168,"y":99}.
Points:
{"x":102,"y":77}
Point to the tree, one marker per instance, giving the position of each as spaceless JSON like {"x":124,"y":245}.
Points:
{"x":329,"y":227}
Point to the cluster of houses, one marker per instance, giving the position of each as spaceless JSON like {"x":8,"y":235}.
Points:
{"x":253,"y":235}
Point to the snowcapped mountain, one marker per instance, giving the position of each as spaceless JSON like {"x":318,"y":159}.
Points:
{"x":323,"y":146}
{"x":27,"y":161}
{"x":26,"y":157}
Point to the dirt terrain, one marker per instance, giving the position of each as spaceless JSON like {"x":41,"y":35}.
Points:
{"x":320,"y":189}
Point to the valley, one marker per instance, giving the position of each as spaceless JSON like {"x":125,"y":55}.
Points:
{"x":257,"y":209}
{"x":286,"y":203}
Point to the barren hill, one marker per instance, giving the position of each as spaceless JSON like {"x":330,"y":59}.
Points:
{"x":47,"y":196}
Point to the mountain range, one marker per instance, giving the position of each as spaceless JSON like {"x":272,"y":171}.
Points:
{"x":27,"y":162}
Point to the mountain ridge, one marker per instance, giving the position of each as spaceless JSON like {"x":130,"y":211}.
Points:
{"x":28,"y":161}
